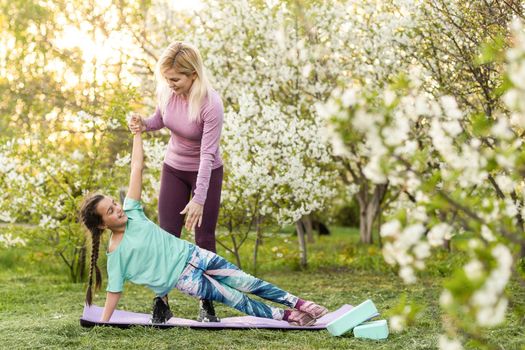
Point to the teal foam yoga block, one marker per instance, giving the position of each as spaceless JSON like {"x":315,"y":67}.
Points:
{"x":352,"y":318}
{"x":372,"y":330}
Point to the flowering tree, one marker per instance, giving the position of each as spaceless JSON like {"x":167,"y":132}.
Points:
{"x":265,"y":73}
{"x":62,"y":114}
{"x":440,"y":155}
{"x":374,"y":44}
{"x":448,"y":37}
{"x":277,"y":165}
{"x":43,"y":184}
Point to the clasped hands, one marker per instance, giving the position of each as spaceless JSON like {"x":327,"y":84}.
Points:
{"x":136,"y":124}
{"x":192,"y":210}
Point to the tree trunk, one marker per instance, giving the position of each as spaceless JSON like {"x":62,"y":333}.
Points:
{"x":369,"y":209}
{"x":258,"y":241}
{"x":77,"y":267}
{"x":379,"y":223}
{"x":366,"y":221}
{"x":82,"y":262}
{"x":302,"y":243}
{"x":446,"y":245}
{"x":73,"y":266}
{"x":307,"y":222}
{"x":236,"y":251}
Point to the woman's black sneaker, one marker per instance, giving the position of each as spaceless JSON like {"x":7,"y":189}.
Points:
{"x":207,"y":312}
{"x":161,"y":311}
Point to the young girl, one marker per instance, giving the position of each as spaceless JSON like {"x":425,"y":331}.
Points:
{"x":143,"y":253}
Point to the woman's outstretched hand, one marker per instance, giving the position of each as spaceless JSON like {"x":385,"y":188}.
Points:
{"x":193,"y":213}
{"x":136,"y":124}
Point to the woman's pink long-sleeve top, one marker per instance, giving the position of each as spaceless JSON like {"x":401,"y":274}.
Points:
{"x":193,"y":146}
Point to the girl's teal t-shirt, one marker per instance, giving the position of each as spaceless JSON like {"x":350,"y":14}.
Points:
{"x":147,"y":254}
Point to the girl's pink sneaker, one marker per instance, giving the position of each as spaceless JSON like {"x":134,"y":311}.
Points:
{"x":312,"y":309}
{"x":299,"y":318}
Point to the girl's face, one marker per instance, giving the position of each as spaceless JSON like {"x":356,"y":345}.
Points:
{"x":112,"y":214}
{"x":178,"y":82}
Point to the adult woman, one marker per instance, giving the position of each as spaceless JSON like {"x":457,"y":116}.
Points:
{"x":189,"y":107}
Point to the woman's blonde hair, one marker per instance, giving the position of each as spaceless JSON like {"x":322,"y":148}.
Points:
{"x":185,"y":59}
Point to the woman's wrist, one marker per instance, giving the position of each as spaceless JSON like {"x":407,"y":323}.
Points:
{"x":197,"y":202}
{"x":143,"y":124}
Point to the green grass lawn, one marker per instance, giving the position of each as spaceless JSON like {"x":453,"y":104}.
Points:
{"x":39,"y":308}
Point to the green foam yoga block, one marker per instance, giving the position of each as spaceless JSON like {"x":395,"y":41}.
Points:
{"x":372,"y":330}
{"x":352,"y":318}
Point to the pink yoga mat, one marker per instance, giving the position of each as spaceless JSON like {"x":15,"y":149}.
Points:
{"x":125,"y":319}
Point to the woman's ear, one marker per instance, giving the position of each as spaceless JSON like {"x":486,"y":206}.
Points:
{"x":193,"y":76}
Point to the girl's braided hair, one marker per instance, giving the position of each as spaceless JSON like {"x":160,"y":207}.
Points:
{"x":92,"y":220}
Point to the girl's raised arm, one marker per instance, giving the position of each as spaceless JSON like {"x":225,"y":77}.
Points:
{"x":137,"y":165}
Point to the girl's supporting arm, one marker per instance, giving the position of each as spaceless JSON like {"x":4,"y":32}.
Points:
{"x":137,"y":165}
{"x":110,"y":306}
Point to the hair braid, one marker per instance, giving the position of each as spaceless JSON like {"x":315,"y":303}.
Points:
{"x":94,"y":257}
{"x":92,"y":220}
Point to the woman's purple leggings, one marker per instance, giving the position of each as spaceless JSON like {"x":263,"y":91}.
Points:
{"x":176,"y":186}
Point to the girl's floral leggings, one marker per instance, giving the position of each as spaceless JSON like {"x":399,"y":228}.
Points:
{"x":209,"y":276}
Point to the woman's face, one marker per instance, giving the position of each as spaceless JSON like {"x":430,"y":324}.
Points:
{"x":178,"y":82}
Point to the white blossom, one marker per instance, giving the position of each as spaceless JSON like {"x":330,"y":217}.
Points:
{"x":422,"y":250}
{"x":6,"y":216}
{"x":397,"y":323}
{"x":446,"y":298}
{"x":489,"y":301}
{"x":445,"y":343}
{"x":502,"y":129}
{"x":390,"y":228}
{"x":123,"y":160}
{"x":437,"y":234}
{"x":487,"y":234}
{"x":407,"y":274}
{"x":505,"y":183}
{"x":474,"y":269}
{"x":450,"y":107}
{"x":8,"y":241}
